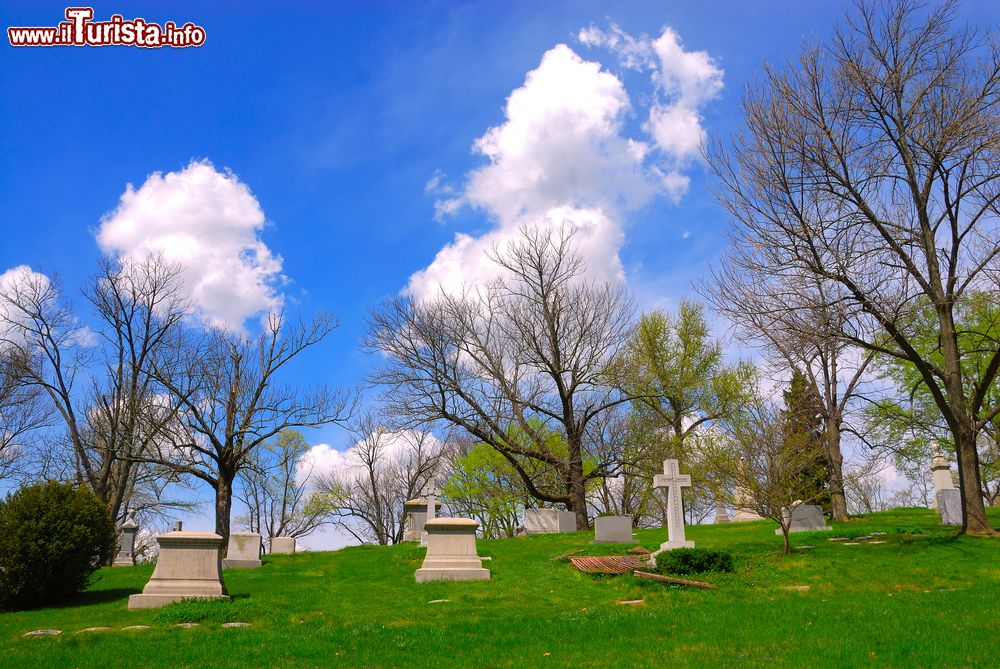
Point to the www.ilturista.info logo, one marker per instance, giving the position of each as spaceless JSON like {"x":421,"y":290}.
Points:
{"x":81,"y":30}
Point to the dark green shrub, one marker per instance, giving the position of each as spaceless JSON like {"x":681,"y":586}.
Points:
{"x":53,"y":536}
{"x":693,"y":561}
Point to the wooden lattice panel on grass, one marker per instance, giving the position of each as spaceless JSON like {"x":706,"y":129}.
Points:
{"x":608,"y":564}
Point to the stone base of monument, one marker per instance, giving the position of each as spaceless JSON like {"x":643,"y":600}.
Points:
{"x":949,"y":505}
{"x":189,"y":567}
{"x":451,"y":552}
{"x":744,"y":515}
{"x":122,"y":560}
{"x":613,"y":530}
{"x":806,"y":518}
{"x":243,"y":551}
{"x":669,"y":546}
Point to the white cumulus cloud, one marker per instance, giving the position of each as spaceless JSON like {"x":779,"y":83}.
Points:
{"x":322,"y":460}
{"x":209,"y":222}
{"x":562,"y":156}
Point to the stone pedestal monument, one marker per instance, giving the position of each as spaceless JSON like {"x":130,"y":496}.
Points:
{"x":243,"y":552}
{"x":126,"y":552}
{"x":451,"y":552}
{"x":673,"y":481}
{"x":947,"y":497}
{"x":189,"y":567}
{"x":721,"y":512}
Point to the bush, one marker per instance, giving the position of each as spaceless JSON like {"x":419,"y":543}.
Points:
{"x":693,"y":561}
{"x":53,"y":536}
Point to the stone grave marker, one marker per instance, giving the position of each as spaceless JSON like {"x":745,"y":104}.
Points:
{"x":416,"y":515}
{"x":673,"y":481}
{"x":126,"y":551}
{"x":243,"y":551}
{"x":189,"y":566}
{"x":613,"y":530}
{"x":949,"y":505}
{"x":548,"y":521}
{"x":721,"y":512}
{"x":805,"y":518}
{"x":281,"y":545}
{"x":430,"y":512}
{"x":451,"y":552}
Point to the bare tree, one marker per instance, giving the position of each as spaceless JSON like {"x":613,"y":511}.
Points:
{"x":111,"y":421}
{"x":513,"y":363}
{"x":799,"y":319}
{"x":275,"y":488}
{"x":231,"y":402}
{"x":23,"y":409}
{"x":871,"y":163}
{"x":384,"y":469}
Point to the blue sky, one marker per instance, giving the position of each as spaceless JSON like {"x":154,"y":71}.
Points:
{"x":337,"y":115}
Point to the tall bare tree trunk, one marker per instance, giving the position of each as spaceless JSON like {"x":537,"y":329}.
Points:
{"x":838,"y":500}
{"x":223,"y":506}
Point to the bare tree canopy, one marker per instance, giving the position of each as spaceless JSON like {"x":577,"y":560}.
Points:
{"x":23,"y":408}
{"x":275,"y":489}
{"x":871,"y":163}
{"x":384,"y":469}
{"x":112,"y":421}
{"x":232,"y":403}
{"x":527,"y":351}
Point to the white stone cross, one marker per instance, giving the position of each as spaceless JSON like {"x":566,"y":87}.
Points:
{"x":673,"y":481}
{"x":431,"y":495}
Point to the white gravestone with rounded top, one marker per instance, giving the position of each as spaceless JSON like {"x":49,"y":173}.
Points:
{"x":281,"y":545}
{"x":243,"y":551}
{"x":451,"y":552}
{"x":673,"y":481}
{"x":613,"y":530}
{"x":189,"y":567}
{"x":126,"y":553}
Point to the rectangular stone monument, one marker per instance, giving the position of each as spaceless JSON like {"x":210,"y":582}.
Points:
{"x":189,"y":567}
{"x":673,"y":481}
{"x":243,"y":552}
{"x":126,"y":552}
{"x":613,"y":530}
{"x":548,"y":521}
{"x":416,"y":515}
{"x":949,"y":504}
{"x":806,"y":518}
{"x":281,"y":545}
{"x":451,"y":552}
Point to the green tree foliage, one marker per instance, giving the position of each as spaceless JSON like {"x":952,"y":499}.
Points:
{"x":909,"y":422}
{"x":681,"y":385}
{"x":53,"y":536}
{"x":485,"y":486}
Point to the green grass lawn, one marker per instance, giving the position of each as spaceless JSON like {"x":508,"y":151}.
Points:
{"x":914,"y":601}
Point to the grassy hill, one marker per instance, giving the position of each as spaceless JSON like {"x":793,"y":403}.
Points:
{"x":914,"y":601}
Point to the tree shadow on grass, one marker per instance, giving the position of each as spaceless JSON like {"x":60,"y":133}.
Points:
{"x":95,"y":597}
